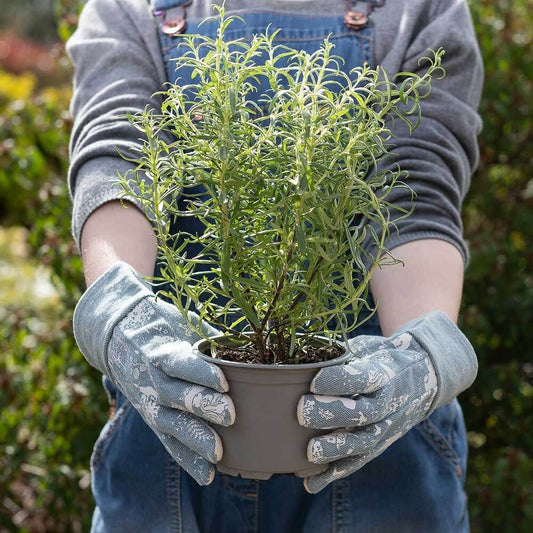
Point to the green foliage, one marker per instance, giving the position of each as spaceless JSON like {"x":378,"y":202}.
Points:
{"x":33,"y":19}
{"x":51,"y":402}
{"x":40,"y":20}
{"x":293,"y":201}
{"x":66,"y":14}
{"x":498,"y":302}
{"x":51,"y":412}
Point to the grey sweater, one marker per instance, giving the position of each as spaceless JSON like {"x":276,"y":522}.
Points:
{"x":118,"y":68}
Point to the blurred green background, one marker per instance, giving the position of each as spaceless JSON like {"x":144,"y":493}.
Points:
{"x":51,"y":402}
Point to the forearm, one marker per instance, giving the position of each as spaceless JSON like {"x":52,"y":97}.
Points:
{"x":115,"y":232}
{"x":430,"y":278}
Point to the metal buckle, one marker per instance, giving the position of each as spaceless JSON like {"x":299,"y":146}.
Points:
{"x":355,"y":20}
{"x":175,"y":26}
{"x":357,"y":13}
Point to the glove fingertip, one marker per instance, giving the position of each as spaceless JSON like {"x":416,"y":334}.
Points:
{"x":204,"y":480}
{"x":224,"y":385}
{"x":310,"y":456}
{"x":219,"y":450}
{"x":231,"y":414}
{"x":211,"y":476}
{"x":300,"y":410}
{"x":311,"y":486}
{"x":318,"y":381}
{"x":326,"y":380}
{"x":217,"y":379}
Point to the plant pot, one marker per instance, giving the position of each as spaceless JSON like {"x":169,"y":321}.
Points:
{"x":266,"y":437}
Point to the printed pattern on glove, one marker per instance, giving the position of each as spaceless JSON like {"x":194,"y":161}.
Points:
{"x":153,"y":370}
{"x":387,"y":388}
{"x":144,"y":346}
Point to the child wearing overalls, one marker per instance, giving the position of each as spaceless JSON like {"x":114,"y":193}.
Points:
{"x":153,"y":464}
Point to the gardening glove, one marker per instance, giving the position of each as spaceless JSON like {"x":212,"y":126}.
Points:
{"x":388,"y":386}
{"x":144,"y":346}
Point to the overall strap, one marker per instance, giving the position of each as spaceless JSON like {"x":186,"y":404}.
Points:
{"x":356,"y":16}
{"x":163,"y":5}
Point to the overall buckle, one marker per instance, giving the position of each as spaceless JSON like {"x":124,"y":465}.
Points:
{"x":357,"y":17}
{"x":176,"y":25}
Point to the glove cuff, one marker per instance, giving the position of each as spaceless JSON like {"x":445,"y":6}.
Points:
{"x":451,"y":353}
{"x":103,"y":305}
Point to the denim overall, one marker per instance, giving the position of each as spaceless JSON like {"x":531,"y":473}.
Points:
{"x":415,"y":486}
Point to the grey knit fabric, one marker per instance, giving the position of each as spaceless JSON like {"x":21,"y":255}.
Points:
{"x":118,"y":68}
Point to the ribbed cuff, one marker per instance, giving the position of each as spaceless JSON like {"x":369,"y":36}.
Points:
{"x":451,"y":353}
{"x":97,"y":184}
{"x":103,"y":305}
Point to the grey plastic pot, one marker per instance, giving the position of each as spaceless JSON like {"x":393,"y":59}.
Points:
{"x":266,"y":437}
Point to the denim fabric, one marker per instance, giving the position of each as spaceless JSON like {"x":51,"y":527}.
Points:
{"x":416,"y":485}
{"x":167,"y":4}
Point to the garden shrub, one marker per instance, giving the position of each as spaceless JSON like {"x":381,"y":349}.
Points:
{"x":51,"y":401}
{"x":497,"y":310}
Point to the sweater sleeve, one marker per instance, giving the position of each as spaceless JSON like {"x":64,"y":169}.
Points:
{"x":442,"y":153}
{"x":117,"y":70}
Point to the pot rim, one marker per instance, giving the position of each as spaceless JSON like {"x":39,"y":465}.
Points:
{"x":295,"y":367}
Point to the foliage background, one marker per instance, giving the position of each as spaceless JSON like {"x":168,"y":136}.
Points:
{"x":51,"y":402}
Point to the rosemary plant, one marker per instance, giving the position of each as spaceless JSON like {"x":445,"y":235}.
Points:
{"x":295,"y":208}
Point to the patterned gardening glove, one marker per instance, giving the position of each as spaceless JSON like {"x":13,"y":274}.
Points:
{"x":389,"y":386}
{"x":144,"y":346}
